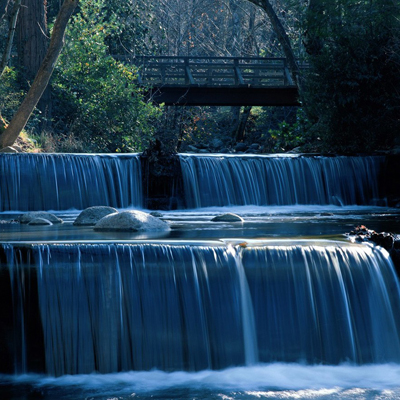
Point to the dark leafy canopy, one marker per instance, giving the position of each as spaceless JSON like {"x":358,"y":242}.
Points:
{"x":353,"y":86}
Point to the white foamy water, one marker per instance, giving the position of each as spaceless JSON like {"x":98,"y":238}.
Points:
{"x":271,"y":381}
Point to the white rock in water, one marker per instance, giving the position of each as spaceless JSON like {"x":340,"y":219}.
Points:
{"x":30,"y":216}
{"x":131,"y":221}
{"x":40,"y":221}
{"x":92,"y":215}
{"x":228,"y":217}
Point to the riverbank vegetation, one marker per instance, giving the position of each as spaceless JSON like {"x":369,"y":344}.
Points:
{"x":347,"y":55}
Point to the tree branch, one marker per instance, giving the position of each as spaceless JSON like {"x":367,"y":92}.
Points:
{"x":10,"y":38}
{"x":8,"y":137}
{"x":282,"y":37}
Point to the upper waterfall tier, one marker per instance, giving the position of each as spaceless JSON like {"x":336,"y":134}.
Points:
{"x":279,"y":180}
{"x":30,"y":182}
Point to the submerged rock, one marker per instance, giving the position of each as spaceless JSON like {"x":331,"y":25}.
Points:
{"x":156,"y":214}
{"x":228,"y":217}
{"x":30,"y":216}
{"x":40,"y":221}
{"x":92,"y":215}
{"x":131,"y":221}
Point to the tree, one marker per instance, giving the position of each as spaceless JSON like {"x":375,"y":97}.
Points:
{"x":353,"y":85}
{"x":98,"y":101}
{"x":4,"y":4}
{"x":282,"y":37}
{"x":8,"y":137}
{"x":10,"y":38}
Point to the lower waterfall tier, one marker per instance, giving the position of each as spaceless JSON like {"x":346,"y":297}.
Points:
{"x":107,"y":308}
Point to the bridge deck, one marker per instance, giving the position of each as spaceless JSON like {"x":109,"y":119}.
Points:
{"x":216,"y":80}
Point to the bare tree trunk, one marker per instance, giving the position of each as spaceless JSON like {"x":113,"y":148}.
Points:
{"x":282,"y":37}
{"x":10,"y":38}
{"x":3,"y":8}
{"x":8,"y":137}
{"x":32,"y":40}
{"x":32,"y":37}
{"x":244,"y":116}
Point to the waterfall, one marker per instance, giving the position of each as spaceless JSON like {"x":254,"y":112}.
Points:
{"x":123,"y":307}
{"x":279,"y":180}
{"x":30,"y":182}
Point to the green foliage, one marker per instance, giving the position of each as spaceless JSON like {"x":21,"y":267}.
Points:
{"x":289,"y":135}
{"x":98,"y":100}
{"x":353,"y":86}
{"x":10,"y":94}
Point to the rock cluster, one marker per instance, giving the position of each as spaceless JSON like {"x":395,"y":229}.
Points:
{"x":388,"y":241}
{"x":384,"y":239}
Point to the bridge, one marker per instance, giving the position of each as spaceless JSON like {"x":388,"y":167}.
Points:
{"x":216,"y":81}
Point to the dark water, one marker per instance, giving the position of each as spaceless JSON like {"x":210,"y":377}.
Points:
{"x":259,"y":223}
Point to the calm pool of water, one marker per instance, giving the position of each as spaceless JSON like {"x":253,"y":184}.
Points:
{"x":260,"y":222}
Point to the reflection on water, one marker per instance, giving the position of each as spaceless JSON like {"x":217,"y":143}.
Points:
{"x":260,"y":222}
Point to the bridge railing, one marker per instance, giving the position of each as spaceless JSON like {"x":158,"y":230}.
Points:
{"x":211,"y":71}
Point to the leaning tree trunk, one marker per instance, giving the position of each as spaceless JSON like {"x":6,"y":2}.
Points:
{"x":282,"y":37}
{"x":10,"y":38}
{"x":8,"y":137}
{"x":3,"y":8}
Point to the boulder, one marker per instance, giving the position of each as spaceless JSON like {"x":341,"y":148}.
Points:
{"x":92,"y":215}
{"x":40,"y":221}
{"x":131,"y":221}
{"x":228,"y":217}
{"x":241,"y":147}
{"x":217,"y":144}
{"x":30,"y":216}
{"x":8,"y":149}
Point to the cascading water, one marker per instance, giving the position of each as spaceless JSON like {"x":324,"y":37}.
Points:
{"x":216,"y":180}
{"x":198,"y":319}
{"x":112,"y":308}
{"x":31,"y":182}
